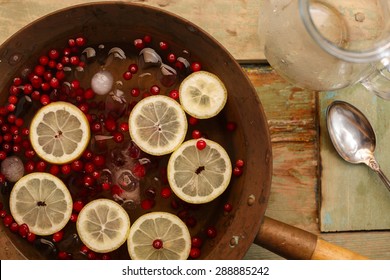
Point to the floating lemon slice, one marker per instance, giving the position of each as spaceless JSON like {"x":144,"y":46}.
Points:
{"x":103,"y":225}
{"x":158,"y":125}
{"x":199,"y":176}
{"x":202,"y":95}
{"x":159,"y":236}
{"x":42,"y":201}
{"x":59,"y":132}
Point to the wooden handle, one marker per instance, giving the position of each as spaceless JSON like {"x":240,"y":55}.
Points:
{"x":294,"y":243}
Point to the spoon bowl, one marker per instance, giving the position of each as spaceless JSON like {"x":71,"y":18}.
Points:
{"x":353,"y":136}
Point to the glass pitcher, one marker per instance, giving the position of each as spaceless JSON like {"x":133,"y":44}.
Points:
{"x":329,"y":44}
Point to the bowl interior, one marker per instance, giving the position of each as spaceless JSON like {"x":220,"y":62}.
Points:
{"x":118,"y":24}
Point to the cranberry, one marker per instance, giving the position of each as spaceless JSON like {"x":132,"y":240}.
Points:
{"x":211,"y":232}
{"x":139,"y":43}
{"x":196,"y":66}
{"x":239,"y":163}
{"x":81,"y":41}
{"x":228,"y":207}
{"x":43,"y":60}
{"x":231,"y":126}
{"x":135,"y":92}
{"x":124,"y":127}
{"x":14,"y":227}
{"x":12,"y":99}
{"x":91,"y":255}
{"x":166,"y":192}
{"x":174,"y":94}
{"x":191,"y":222}
{"x":41,"y":166}
{"x":58,"y":236}
{"x":147,"y":204}
{"x":60,"y":75}
{"x":84,"y":107}
{"x":87,"y":154}
{"x":139,"y":170}
{"x":30,"y":153}
{"x":163,"y":45}
{"x":54,"y":82}
{"x":196,"y":242}
{"x":62,"y":255}
{"x":96,"y":126}
{"x":196,"y":134}
{"x":106,"y":256}
{"x":31,"y":237}
{"x":237,"y":171}
{"x":23,"y":230}
{"x":3,"y":213}
{"x":171,"y":57}
{"x":78,"y":205}
{"x":89,"y":93}
{"x":193,"y":121}
{"x":147,"y":39}
{"x":88,"y":181}
{"x":99,"y":160}
{"x":155,"y":89}
{"x":133,"y":68}
{"x":73,"y":217}
{"x":45,"y":99}
{"x":157,"y":244}
{"x":106,"y":186}
{"x":118,"y":137}
{"x":89,"y":167}
{"x":195,"y":253}
{"x":110,"y":124}
{"x":11,"y":107}
{"x":116,"y":190}
{"x":84,"y":250}
{"x":54,"y":54}
{"x":54,"y":170}
{"x":201,"y":144}
{"x":8,"y":220}
{"x":74,"y":60}
{"x":127,"y":75}
{"x":29,"y":166}
{"x":66,"y":169}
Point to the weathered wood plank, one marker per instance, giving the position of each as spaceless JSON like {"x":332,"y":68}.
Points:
{"x":233,"y":23}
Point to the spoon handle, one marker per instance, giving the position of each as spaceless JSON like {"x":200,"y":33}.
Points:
{"x":373,"y":164}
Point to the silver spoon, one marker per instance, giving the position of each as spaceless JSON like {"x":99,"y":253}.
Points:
{"x":353,"y":136}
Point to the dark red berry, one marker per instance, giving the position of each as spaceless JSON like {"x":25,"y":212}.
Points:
{"x":201,"y":144}
{"x":31,"y":237}
{"x":174,"y":94}
{"x":58,"y":236}
{"x":196,"y":134}
{"x":196,"y":242}
{"x":99,"y":160}
{"x":163,"y":45}
{"x":237,"y":171}
{"x":54,"y":170}
{"x":81,"y":41}
{"x":147,"y":39}
{"x":124,"y":127}
{"x":23,"y":230}
{"x":66,"y":169}
{"x":127,"y":75}
{"x":135,"y":92}
{"x":110,"y":124}
{"x":195,"y":253}
{"x":89,"y":93}
{"x":155,"y":89}
{"x":231,"y":126}
{"x":84,"y":250}
{"x":239,"y":163}
{"x":89,"y":167}
{"x":171,"y":57}
{"x":196,"y":66}
{"x":14,"y":227}
{"x":228,"y":207}
{"x":193,"y":121}
{"x":78,"y":205}
{"x":41,"y":166}
{"x":157,"y":244}
{"x":8,"y":220}
{"x":73,"y":217}
{"x":133,"y":68}
{"x":3,"y":213}
{"x":166,"y":192}
{"x":211,"y":232}
{"x":139,"y":43}
{"x":118,"y":137}
{"x":147,"y":204}
{"x":139,"y":170}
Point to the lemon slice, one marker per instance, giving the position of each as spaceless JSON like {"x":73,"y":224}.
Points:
{"x":158,"y":125}
{"x":159,"y":236}
{"x":202,"y":95}
{"x":42,"y":201}
{"x":59,"y":132}
{"x":199,"y":176}
{"x":103,"y":225}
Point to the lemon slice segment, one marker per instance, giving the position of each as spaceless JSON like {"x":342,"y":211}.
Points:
{"x":199,"y":176}
{"x":103,"y":225}
{"x":158,"y":125}
{"x":59,"y":132}
{"x":202,"y":95}
{"x":42,"y":201}
{"x":171,"y":233}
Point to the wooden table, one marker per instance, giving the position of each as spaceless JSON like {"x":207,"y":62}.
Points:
{"x":292,"y":115}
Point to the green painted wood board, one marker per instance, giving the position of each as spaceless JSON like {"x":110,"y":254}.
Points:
{"x":352,"y":196}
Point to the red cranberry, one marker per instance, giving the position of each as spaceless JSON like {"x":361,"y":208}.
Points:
{"x":88,"y":181}
{"x":196,"y":242}
{"x":12,"y":99}
{"x":96,"y":126}
{"x":106,"y":256}
{"x":62,"y":255}
{"x":196,"y":66}
{"x":239,"y":163}
{"x":195,"y":253}
{"x":174,"y":94}
{"x":58,"y":236}
{"x":124,"y":127}
{"x":45,"y":99}
{"x":163,"y":45}
{"x":89,"y":93}
{"x":106,"y":186}
{"x":147,"y":39}
{"x":66,"y":169}
{"x":196,"y":134}
{"x":54,"y":54}
{"x":127,"y":75}
{"x":147,"y":204}
{"x":54,"y":170}
{"x":31,"y":237}
{"x":73,"y":217}
{"x":54,"y":82}
{"x":166,"y":192}
{"x":41,"y":166}
{"x":23,"y":230}
{"x":14,"y":227}
{"x":139,"y":43}
{"x":89,"y":167}
{"x":171,"y":57}
{"x":193,"y":121}
{"x":3,"y":213}
{"x":78,"y":205}
{"x":237,"y":171}
{"x":87,"y":154}
{"x":110,"y":124}
{"x":43,"y":60}
{"x":211,"y":232}
{"x":74,"y":60}
{"x":228,"y":207}
{"x":155,"y":89}
{"x":118,"y":137}
{"x":81,"y":41}
{"x":8,"y":220}
{"x":201,"y":144}
{"x":157,"y":244}
{"x":99,"y":160}
{"x":135,"y":92}
{"x":139,"y":170}
{"x":231,"y":126}
{"x":29,"y":166}
{"x":191,"y":222}
{"x":133,"y":68}
{"x":91,"y":255}
{"x":84,"y":250}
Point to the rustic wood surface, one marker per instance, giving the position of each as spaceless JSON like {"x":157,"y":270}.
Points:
{"x":293,"y":117}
